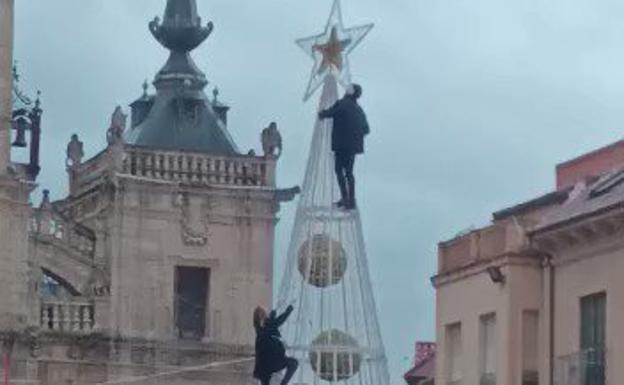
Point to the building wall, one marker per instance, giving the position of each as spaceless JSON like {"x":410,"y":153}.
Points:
{"x":592,"y":164}
{"x":149,"y":245}
{"x":17,"y":301}
{"x":472,"y":295}
{"x":6,"y":81}
{"x":599,"y":270}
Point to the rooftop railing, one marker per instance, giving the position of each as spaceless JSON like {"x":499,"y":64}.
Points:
{"x":198,"y":168}
{"x":476,"y":245}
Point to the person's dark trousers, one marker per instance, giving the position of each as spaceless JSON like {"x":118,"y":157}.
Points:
{"x":291,"y":368}
{"x":344,"y":163}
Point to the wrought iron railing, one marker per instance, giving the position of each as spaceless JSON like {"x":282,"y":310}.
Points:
{"x":587,"y":367}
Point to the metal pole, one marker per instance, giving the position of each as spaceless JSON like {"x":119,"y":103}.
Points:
{"x":6,"y":81}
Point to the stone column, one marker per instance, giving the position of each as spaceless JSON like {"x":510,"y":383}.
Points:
{"x":6,"y":80}
{"x":16,"y":286}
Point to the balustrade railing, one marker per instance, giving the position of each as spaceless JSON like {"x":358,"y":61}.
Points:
{"x":47,"y":223}
{"x":587,"y":367}
{"x":197,"y":168}
{"x":68,"y":317}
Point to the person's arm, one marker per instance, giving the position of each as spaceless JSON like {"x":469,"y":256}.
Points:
{"x":330,"y":112}
{"x":284,"y":316}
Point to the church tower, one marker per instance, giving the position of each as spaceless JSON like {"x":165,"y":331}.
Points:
{"x":148,"y":272}
{"x":186,"y":221}
{"x":183,"y":221}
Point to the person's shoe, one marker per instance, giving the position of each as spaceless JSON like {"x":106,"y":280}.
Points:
{"x":350,"y":205}
{"x":340,"y":204}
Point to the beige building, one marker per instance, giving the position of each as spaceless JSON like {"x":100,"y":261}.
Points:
{"x":163,"y":248}
{"x":537,"y":297}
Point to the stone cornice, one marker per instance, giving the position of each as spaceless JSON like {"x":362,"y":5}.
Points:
{"x":481,"y":265}
{"x":583,"y":235}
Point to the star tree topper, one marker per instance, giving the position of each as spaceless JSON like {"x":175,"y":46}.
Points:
{"x":330,"y":50}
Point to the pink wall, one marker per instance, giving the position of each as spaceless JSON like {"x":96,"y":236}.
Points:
{"x":590,"y":164}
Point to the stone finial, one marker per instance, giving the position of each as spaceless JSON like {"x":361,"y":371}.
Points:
{"x":114,"y":135}
{"x":75,"y":152}
{"x":43,"y":217}
{"x":45,"y":200}
{"x":271,"y":141}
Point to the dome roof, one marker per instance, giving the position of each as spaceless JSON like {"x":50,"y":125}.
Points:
{"x":180,"y":116}
{"x":182,"y":122}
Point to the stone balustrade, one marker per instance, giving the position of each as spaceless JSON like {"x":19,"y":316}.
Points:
{"x":198,"y":168}
{"x":47,"y":223}
{"x":482,"y":244}
{"x":67,"y":317}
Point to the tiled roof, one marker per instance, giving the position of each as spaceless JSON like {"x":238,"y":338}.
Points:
{"x":587,"y":200}
{"x":424,"y":363}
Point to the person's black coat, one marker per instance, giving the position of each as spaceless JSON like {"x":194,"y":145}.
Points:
{"x":270,"y":351}
{"x":350,"y":125}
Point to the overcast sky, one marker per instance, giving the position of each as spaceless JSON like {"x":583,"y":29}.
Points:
{"x":471,"y":105}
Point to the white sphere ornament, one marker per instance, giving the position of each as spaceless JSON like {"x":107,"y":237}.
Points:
{"x":335,"y":356}
{"x":322,"y":261}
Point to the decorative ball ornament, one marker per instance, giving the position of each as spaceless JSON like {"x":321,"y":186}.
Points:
{"x":335,"y":356}
{"x":322,"y":261}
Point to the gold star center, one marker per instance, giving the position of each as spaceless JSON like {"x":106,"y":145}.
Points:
{"x":332,"y":52}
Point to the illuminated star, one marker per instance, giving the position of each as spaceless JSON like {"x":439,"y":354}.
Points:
{"x":330,"y":50}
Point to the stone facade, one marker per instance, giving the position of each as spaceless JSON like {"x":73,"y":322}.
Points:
{"x":6,"y":63}
{"x":149,"y":270}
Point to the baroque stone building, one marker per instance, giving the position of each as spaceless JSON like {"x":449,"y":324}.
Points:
{"x":155,"y":261}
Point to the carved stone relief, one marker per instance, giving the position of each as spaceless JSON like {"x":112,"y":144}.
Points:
{"x":194,"y":218}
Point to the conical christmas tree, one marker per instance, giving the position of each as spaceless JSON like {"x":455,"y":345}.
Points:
{"x":333,"y":331}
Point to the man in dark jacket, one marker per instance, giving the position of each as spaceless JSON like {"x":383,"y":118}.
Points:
{"x":349,"y":129}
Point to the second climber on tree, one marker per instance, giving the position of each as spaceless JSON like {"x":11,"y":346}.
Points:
{"x":270,"y":351}
{"x":347,"y":140}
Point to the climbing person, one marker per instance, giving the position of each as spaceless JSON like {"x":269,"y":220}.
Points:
{"x":270,"y":351}
{"x":350,"y":126}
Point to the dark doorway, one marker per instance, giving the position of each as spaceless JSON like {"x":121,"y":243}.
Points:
{"x":191,"y":299}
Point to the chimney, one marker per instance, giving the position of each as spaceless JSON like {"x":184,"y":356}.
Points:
{"x":590,"y":165}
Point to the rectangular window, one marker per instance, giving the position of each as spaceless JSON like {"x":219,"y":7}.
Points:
{"x":191,"y":301}
{"x":593,"y":337}
{"x":487,"y":349}
{"x":530,"y":347}
{"x":454,"y":354}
